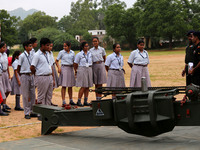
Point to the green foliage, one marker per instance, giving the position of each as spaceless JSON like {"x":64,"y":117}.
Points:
{"x":61,"y":38}
{"x":87,"y":37}
{"x":83,"y":16}
{"x":8,"y":28}
{"x":162,"y":18}
{"x":34,"y":22}
{"x":50,"y":33}
{"x":121,"y":23}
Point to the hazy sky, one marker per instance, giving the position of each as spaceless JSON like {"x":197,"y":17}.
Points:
{"x":57,"y":8}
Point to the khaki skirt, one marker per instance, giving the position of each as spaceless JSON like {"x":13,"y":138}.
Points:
{"x":67,"y":77}
{"x":115,"y":78}
{"x":84,"y":77}
{"x":137,"y":73}
{"x":6,"y":82}
{"x":99,"y":73}
{"x":16,"y":90}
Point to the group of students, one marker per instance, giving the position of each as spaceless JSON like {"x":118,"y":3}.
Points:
{"x":37,"y":70}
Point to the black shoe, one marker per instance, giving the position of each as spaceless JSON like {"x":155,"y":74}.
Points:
{"x":5,"y":110}
{"x":79,"y":104}
{"x":27,"y":117}
{"x":72,"y":103}
{"x":86,"y":104}
{"x":53,"y":104}
{"x":19,"y":109}
{"x":33,"y":115}
{"x":3,"y":114}
{"x":7,"y":107}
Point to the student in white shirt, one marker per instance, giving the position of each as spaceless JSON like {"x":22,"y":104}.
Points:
{"x":27,"y":80}
{"x":98,"y":67}
{"x":138,"y":61}
{"x":114,"y":65}
{"x":83,"y":69}
{"x":2,"y":50}
{"x":67,"y":77}
{"x":43,"y":71}
{"x":15,"y":82}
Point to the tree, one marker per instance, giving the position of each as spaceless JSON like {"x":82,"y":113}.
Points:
{"x":8,"y":28}
{"x":61,"y":38}
{"x":65,"y":23}
{"x":34,"y":22}
{"x":163,"y":18}
{"x":120,"y":22}
{"x":82,"y":15}
{"x":48,"y":32}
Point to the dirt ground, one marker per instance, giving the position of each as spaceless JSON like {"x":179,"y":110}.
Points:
{"x":165,"y":70}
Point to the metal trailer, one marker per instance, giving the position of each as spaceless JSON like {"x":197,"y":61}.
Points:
{"x":142,"y":111}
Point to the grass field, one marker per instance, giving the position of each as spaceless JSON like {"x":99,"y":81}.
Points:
{"x":165,"y":70}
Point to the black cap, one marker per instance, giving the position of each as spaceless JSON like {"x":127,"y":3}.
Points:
{"x":197,"y":33}
{"x":189,"y":32}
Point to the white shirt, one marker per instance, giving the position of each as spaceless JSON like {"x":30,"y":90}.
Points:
{"x":32,"y":52}
{"x":3,"y":61}
{"x":66,"y":58}
{"x":114,"y":62}
{"x":97,"y":54}
{"x":82,"y":60}
{"x":25,"y":62}
{"x":52,"y":61}
{"x":42,"y":64}
{"x":15,"y":64}
{"x":139,"y":58}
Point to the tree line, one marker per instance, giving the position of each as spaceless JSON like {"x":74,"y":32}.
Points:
{"x":156,"y":20}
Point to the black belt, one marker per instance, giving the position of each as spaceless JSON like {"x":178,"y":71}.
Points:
{"x":97,"y":62}
{"x":68,"y":65}
{"x":140,"y":65}
{"x":115,"y":69}
{"x":45,"y":75}
{"x":29,"y":74}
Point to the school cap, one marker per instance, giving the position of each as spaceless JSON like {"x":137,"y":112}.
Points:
{"x":189,"y":32}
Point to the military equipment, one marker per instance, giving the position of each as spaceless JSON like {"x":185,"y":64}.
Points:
{"x":143,"y":111}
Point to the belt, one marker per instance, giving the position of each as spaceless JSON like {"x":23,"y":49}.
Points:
{"x":68,"y":65}
{"x":115,"y":69}
{"x":140,"y":65}
{"x":97,"y":62}
{"x":4,"y":70}
{"x":29,"y":74}
{"x":45,"y":75}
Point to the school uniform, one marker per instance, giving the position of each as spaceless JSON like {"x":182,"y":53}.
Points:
{"x":27,"y":82}
{"x":5,"y":78}
{"x":1,"y":83}
{"x":44,"y":78}
{"x":84,"y":71}
{"x":67,"y":77}
{"x":32,"y":52}
{"x":52,"y":62}
{"x":139,"y":69}
{"x":98,"y":67}
{"x":16,"y":89}
{"x":115,"y":72}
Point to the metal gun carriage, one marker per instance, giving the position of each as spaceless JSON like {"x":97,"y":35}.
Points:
{"x":142,"y":111}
